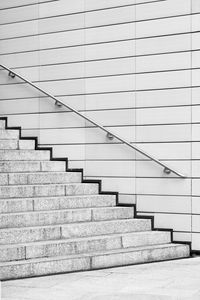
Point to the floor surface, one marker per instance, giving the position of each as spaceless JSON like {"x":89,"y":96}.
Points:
{"x":178,"y":280}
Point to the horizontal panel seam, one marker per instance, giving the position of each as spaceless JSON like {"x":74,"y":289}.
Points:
{"x":85,"y":11}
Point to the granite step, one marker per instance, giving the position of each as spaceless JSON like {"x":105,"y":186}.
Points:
{"x":9,"y":144}
{"x":24,"y":191}
{"x":82,"y":245}
{"x":54,"y":217}
{"x":44,"y":178}
{"x":2,"y":124}
{"x":32,"y":166}
{"x":40,"y":178}
{"x":30,"y":155}
{"x":54,"y":203}
{"x":14,"y":144}
{"x":92,"y":261}
{"x":72,"y":230}
{"x":8,"y":134}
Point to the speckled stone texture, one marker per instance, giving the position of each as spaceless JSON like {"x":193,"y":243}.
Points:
{"x":51,"y":222}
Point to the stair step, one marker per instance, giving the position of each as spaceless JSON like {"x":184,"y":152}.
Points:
{"x":24,"y":191}
{"x":53,"y":203}
{"x":73,"y":230}
{"x":82,"y":245}
{"x":32,"y":166}
{"x":9,"y":144}
{"x":40,"y":178}
{"x":14,"y":144}
{"x":91,"y":261}
{"x":44,"y":178}
{"x":2,"y":124}
{"x":31,"y":155}
{"x":27,"y":144}
{"x":9,"y":134}
{"x":53,"y":217}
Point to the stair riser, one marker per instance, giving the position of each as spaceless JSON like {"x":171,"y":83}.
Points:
{"x":12,"y":205}
{"x":147,"y":239}
{"x":9,"y":144}
{"x":2,"y":124}
{"x":63,"y":248}
{"x":9,"y":134}
{"x":40,"y":178}
{"x":47,"y":190}
{"x":78,"y":202}
{"x":60,"y":249}
{"x":42,"y":219}
{"x":45,"y":268}
{"x":138,"y":257}
{"x":23,"y":235}
{"x":84,"y":230}
{"x":93,"y":262}
{"x":31,"y":166}
{"x":27,"y":144}
{"x":39,"y":204}
{"x":63,"y":217}
{"x":31,"y":155}
{"x":17,"y":144}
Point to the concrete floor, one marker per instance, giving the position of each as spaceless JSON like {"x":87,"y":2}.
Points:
{"x":178,"y":280}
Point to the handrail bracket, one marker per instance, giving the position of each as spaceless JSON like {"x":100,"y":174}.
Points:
{"x":110,"y":136}
{"x":11,"y":74}
{"x":167,"y":171}
{"x":57,"y":103}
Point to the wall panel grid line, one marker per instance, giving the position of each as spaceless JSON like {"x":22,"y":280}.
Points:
{"x":95,"y":26}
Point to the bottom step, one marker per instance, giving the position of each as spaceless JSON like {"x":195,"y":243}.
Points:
{"x":92,"y":261}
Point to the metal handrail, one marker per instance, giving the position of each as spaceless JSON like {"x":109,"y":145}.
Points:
{"x":110,"y":134}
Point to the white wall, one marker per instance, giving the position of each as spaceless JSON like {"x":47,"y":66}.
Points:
{"x":132,"y":65}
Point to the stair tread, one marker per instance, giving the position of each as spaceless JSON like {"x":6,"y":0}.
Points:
{"x":93,"y":237}
{"x":87,"y":222}
{"x":42,"y":172}
{"x":60,"y":197}
{"x":47,"y":184}
{"x":67,"y":210}
{"x":94,"y":254}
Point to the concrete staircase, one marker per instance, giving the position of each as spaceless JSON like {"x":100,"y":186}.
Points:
{"x":52,"y":221}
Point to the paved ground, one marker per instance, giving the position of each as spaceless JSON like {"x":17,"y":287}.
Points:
{"x":166,"y":281}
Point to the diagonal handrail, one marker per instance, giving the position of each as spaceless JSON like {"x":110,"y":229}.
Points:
{"x":110,"y":134}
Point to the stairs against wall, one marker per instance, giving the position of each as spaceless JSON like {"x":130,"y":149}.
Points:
{"x":52,"y":221}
